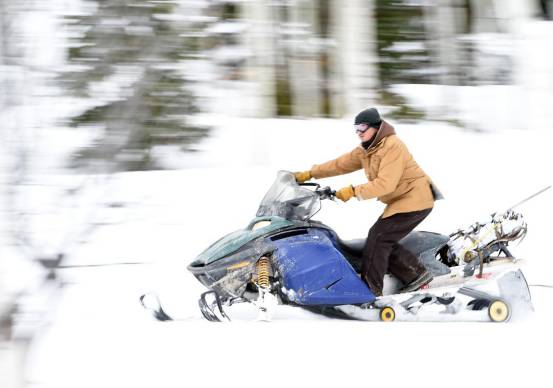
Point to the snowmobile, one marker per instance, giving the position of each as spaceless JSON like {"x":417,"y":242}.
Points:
{"x":285,"y":257}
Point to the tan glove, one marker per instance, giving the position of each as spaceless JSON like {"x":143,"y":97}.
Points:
{"x":302,"y":176}
{"x":345,"y":193}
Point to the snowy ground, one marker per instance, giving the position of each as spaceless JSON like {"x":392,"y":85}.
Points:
{"x":95,"y":334}
{"x":99,"y":335}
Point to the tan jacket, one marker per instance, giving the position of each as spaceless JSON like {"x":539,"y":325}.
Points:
{"x":394,"y":176}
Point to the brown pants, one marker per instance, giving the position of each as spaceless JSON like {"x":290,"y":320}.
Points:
{"x":383,"y":253}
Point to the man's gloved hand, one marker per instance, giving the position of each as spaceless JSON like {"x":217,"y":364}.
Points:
{"x":302,"y":176}
{"x":345,"y":193}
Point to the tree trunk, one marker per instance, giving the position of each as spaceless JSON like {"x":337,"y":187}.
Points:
{"x":305,"y":71}
{"x":260,"y":67}
{"x":353,"y":62}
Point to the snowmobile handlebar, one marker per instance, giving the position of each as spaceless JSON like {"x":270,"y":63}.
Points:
{"x":324,"y":193}
{"x":313,"y":184}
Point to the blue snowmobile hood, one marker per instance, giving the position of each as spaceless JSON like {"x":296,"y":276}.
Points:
{"x":232,"y":242}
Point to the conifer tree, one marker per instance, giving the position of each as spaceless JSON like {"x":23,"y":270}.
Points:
{"x":128,"y":61}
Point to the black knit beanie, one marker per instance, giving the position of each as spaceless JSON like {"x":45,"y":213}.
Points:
{"x":369,"y":116}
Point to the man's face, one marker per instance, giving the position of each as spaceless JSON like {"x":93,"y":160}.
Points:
{"x":365,"y":132}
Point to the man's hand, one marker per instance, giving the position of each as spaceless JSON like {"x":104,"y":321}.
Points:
{"x":302,"y":176}
{"x":346,"y":193}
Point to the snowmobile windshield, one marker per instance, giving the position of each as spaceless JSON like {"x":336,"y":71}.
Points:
{"x":288,"y":200}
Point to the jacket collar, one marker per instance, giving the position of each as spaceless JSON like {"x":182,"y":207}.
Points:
{"x":384,"y":131}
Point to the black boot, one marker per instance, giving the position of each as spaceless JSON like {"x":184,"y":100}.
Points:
{"x":419,"y":282}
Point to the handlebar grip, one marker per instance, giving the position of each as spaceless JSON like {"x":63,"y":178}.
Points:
{"x":327,"y":192}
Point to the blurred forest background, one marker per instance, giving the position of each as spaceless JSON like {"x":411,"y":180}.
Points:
{"x":129,"y":76}
{"x":96,"y":87}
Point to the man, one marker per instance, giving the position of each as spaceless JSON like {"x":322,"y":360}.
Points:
{"x":395,"y":179}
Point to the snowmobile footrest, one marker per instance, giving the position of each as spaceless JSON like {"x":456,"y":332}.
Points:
{"x":477,"y":294}
{"x":418,"y":298}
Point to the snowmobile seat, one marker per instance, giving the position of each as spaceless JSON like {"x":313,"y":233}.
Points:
{"x":352,"y":251}
{"x":354,"y":247}
{"x":425,"y":245}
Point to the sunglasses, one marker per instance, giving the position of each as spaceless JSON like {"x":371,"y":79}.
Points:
{"x":361,"y":128}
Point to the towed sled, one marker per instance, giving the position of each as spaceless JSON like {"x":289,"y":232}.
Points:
{"x":285,"y":257}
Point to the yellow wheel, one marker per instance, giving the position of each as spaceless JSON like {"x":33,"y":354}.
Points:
{"x":498,"y":311}
{"x":387,"y":314}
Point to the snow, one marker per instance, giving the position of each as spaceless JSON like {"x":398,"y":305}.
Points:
{"x":402,"y":47}
{"x":100,"y":336}
{"x":227,"y":27}
{"x":92,"y":332}
{"x":230,"y":54}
